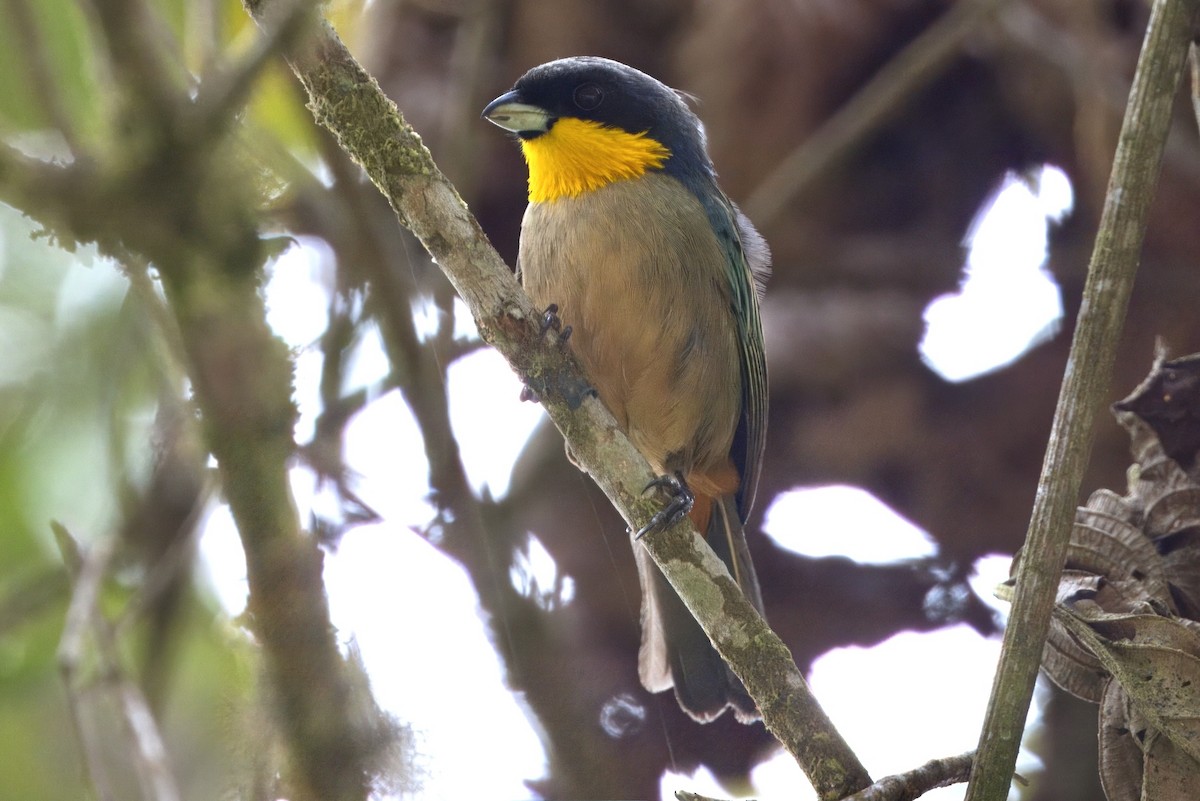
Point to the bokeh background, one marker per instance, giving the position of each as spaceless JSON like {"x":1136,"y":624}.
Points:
{"x":487,"y":587}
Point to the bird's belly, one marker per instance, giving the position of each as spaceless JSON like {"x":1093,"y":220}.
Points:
{"x":641,"y":279}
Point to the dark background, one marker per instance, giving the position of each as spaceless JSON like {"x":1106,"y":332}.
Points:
{"x":858,"y":253}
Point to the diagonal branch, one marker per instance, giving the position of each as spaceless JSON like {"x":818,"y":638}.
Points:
{"x":1085,"y":386}
{"x":346,"y":100}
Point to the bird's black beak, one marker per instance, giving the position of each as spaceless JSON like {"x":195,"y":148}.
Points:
{"x":511,"y":114}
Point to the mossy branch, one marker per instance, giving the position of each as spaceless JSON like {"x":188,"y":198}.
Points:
{"x":347,"y":101}
{"x":1085,"y":386}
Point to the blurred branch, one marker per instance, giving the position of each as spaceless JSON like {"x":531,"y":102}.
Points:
{"x":345,"y":99}
{"x":200,"y":229}
{"x":420,"y":378}
{"x":1085,"y":387}
{"x":39,"y":72}
{"x":86,"y":622}
{"x":1031,"y":28}
{"x":163,"y":331}
{"x":160,"y":532}
{"x":1194,"y":61}
{"x":477,"y":38}
{"x":28,"y":596}
{"x":138,"y":50}
{"x":223,"y":92}
{"x":905,"y":74}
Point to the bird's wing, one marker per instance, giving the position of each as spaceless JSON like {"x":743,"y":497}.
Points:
{"x":748,"y":261}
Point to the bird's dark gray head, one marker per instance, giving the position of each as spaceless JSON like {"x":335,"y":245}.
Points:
{"x":606,"y":92}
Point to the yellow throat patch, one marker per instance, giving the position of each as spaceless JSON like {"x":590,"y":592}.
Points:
{"x":577,"y":156}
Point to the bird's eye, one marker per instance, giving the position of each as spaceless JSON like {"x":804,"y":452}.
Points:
{"x":588,"y":96}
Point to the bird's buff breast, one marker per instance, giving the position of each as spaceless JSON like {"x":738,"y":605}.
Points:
{"x":639,"y":275}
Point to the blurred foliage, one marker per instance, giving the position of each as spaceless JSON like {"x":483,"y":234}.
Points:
{"x":77,"y":398}
{"x":83,"y":377}
{"x":62,"y":33}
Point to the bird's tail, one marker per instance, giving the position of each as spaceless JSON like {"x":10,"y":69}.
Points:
{"x":675,"y":651}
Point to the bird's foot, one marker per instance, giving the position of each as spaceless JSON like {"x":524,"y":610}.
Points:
{"x":679,"y":503}
{"x":552,"y":322}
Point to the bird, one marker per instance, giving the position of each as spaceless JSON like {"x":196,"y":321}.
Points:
{"x":629,"y":238}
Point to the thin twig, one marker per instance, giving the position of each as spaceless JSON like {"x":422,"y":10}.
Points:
{"x":85,"y":622}
{"x":918,"y":781}
{"x":912,"y":68}
{"x":345,"y":99}
{"x":900,"y":787}
{"x":88,"y":576}
{"x":1085,"y":387}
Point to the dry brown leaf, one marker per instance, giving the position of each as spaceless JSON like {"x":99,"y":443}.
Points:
{"x":1064,"y":661}
{"x":1175,"y":510}
{"x":1120,"y":749}
{"x":1125,"y":631}
{"x":1156,"y":660}
{"x":1114,"y":548}
{"x":1138,"y":763}
{"x":1168,"y":402}
{"x":1181,"y":563}
{"x":1110,"y":503}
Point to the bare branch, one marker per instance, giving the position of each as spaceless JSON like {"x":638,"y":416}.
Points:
{"x":918,"y":781}
{"x":901,"y":787}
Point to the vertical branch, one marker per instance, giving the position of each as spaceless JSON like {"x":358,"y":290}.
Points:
{"x":1085,"y":386}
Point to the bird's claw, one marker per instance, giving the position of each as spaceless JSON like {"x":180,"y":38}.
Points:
{"x":574,"y":390}
{"x":552,"y":322}
{"x":681,"y":500}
